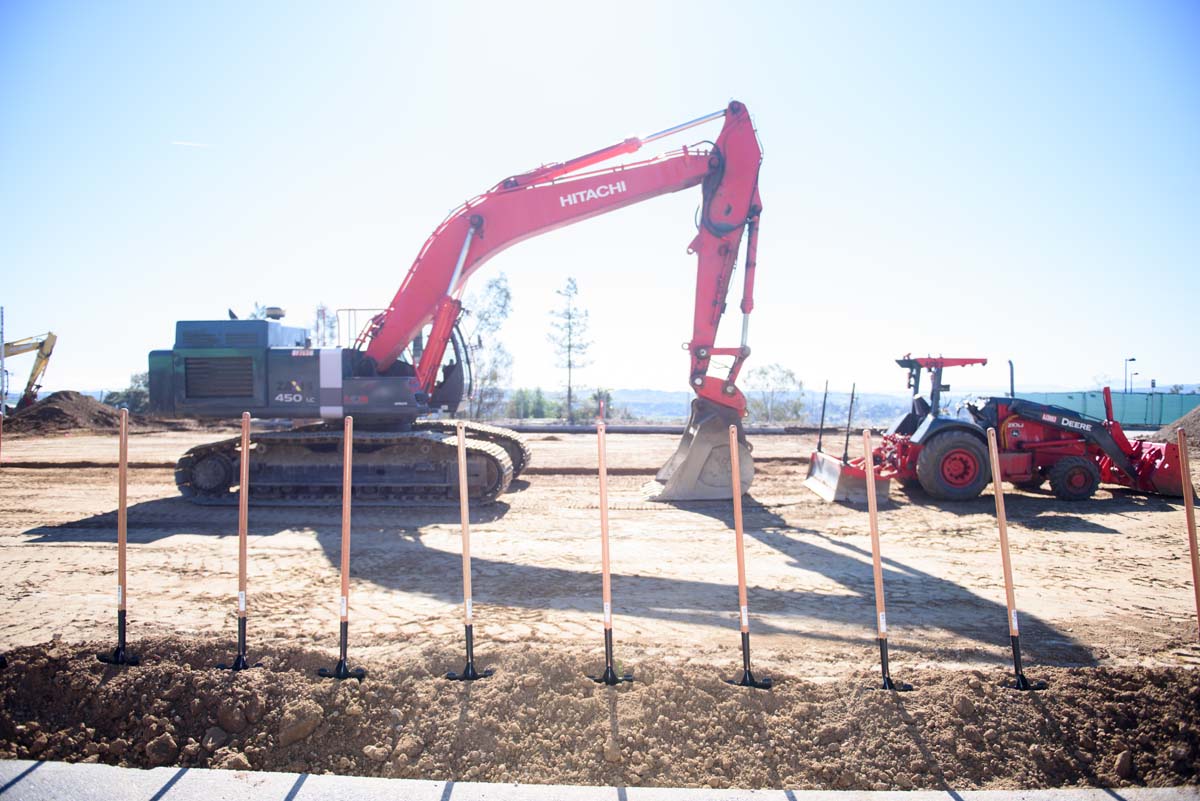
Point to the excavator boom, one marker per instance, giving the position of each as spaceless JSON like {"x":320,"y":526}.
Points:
{"x":554,"y":196}
{"x":43,"y":346}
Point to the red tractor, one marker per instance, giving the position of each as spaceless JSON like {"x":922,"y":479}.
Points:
{"x":948,"y":456}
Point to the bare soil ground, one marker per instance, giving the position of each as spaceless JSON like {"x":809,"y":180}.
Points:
{"x":539,"y":720}
{"x":1104,"y":590}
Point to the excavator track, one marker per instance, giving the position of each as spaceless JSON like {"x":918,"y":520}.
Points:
{"x":303,"y":467}
{"x":512,"y":442}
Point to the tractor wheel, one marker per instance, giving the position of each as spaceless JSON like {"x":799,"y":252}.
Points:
{"x":954,"y":466}
{"x":1074,"y":478}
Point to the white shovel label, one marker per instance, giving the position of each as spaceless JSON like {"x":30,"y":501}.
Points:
{"x":883,"y":622}
{"x":1015,"y":630}
{"x":746,"y":616}
{"x":345,"y":605}
{"x":241,"y":601}
{"x":608,"y":614}
{"x":120,"y":595}
{"x":470,"y":610}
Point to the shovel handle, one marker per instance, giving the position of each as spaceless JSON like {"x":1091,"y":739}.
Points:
{"x":1002,"y":524}
{"x":1189,"y":510}
{"x":122,"y":510}
{"x":464,"y":513}
{"x":347,"y":491}
{"x":606,"y":573}
{"x":736,"y":483}
{"x":873,"y":516}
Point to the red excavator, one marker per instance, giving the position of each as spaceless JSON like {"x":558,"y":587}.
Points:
{"x":409,"y":364}
{"x":948,"y":458}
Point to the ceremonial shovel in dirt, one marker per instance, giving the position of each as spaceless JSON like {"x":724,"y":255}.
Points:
{"x":341,"y":671}
{"x":119,"y":655}
{"x":609,"y":676}
{"x":469,"y":672}
{"x":747,"y":679}
{"x":240,"y":662}
{"x":877,"y":567}
{"x":1014,"y":633}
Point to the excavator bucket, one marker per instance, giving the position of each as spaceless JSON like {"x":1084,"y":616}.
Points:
{"x":700,"y":469}
{"x":835,"y":480}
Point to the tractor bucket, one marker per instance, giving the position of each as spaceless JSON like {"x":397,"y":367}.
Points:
{"x":700,"y":469}
{"x":1158,"y":467}
{"x":835,"y":480}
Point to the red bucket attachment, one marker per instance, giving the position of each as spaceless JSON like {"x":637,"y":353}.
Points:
{"x":835,"y":480}
{"x":1156,"y":465}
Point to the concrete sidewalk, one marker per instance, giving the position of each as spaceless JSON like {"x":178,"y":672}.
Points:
{"x":25,"y":780}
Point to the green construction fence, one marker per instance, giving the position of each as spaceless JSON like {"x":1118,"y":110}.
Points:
{"x":1138,"y":409}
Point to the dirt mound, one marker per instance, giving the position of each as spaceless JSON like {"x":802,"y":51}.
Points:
{"x":1190,"y":423}
{"x":64,"y":411}
{"x":540,"y":720}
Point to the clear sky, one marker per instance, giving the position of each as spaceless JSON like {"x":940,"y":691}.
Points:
{"x":1010,"y":180}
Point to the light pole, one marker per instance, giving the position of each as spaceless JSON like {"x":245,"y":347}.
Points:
{"x":1132,"y":382}
{"x":1127,"y":361}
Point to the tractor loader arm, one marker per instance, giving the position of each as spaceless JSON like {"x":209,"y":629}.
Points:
{"x":1093,"y":431}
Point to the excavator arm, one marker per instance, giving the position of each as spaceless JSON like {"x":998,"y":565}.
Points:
{"x":43,"y":345}
{"x":557,"y":195}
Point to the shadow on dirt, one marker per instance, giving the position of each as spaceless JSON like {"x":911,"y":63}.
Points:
{"x":1039,"y":509}
{"x":388,"y":550}
{"x":151,"y":521}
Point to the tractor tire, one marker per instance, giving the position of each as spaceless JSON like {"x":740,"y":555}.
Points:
{"x":954,"y":466}
{"x":1074,"y":478}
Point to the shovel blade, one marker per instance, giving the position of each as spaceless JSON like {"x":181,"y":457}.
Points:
{"x":700,"y":469}
{"x":836,"y":481}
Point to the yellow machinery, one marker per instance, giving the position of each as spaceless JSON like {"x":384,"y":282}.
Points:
{"x":43,"y":346}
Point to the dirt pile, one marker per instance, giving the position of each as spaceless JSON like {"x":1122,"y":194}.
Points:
{"x":539,"y":720}
{"x":64,"y":411}
{"x":1190,"y":423}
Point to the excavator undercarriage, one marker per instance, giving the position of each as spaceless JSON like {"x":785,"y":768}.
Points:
{"x":303,"y":466}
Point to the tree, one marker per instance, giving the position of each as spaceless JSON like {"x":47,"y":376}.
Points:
{"x":776,"y":394}
{"x":519,"y":404}
{"x":593,"y":408}
{"x":569,"y":334}
{"x":325,"y":327}
{"x":484,"y":314}
{"x":1176,"y":389}
{"x":537,"y":405}
{"x":135,"y":397}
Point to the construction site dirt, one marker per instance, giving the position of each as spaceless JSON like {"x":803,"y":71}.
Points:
{"x":1103,"y":588}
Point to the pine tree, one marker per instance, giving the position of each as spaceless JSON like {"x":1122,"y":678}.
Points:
{"x":569,"y":333}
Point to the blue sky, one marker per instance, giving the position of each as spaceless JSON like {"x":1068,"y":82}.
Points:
{"x":1017,"y":181}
